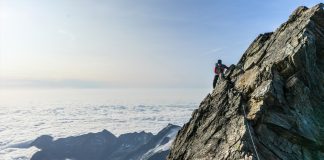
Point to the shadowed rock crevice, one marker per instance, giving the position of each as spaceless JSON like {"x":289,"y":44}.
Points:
{"x":280,"y":81}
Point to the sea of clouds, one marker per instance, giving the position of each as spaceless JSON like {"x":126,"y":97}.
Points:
{"x":21,"y":125}
{"x":27,"y":114}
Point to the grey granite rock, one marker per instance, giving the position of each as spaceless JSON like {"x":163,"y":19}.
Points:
{"x":280,"y":83}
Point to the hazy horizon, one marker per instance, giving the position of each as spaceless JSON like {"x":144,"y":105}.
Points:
{"x":127,"y":44}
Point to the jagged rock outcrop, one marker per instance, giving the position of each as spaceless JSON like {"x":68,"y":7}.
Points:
{"x":279,"y":81}
{"x":106,"y":146}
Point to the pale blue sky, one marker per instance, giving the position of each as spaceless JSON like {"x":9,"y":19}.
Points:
{"x":128,"y":43}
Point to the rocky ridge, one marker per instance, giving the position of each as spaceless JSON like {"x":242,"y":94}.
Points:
{"x":279,"y":84}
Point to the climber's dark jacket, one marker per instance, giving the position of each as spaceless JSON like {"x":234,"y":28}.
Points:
{"x":219,"y":71}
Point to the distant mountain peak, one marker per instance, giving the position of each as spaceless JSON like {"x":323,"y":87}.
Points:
{"x":104,"y":145}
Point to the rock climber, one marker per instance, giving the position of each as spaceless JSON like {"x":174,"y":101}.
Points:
{"x":219,"y":71}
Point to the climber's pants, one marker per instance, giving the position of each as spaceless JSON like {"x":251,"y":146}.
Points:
{"x":217,"y":77}
{"x":215,"y":80}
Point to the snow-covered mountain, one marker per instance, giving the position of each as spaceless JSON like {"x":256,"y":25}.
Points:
{"x":106,"y":146}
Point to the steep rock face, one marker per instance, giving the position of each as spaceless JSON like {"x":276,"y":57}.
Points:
{"x":279,"y":84}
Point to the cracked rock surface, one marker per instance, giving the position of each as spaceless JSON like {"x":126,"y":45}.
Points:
{"x":279,"y":81}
